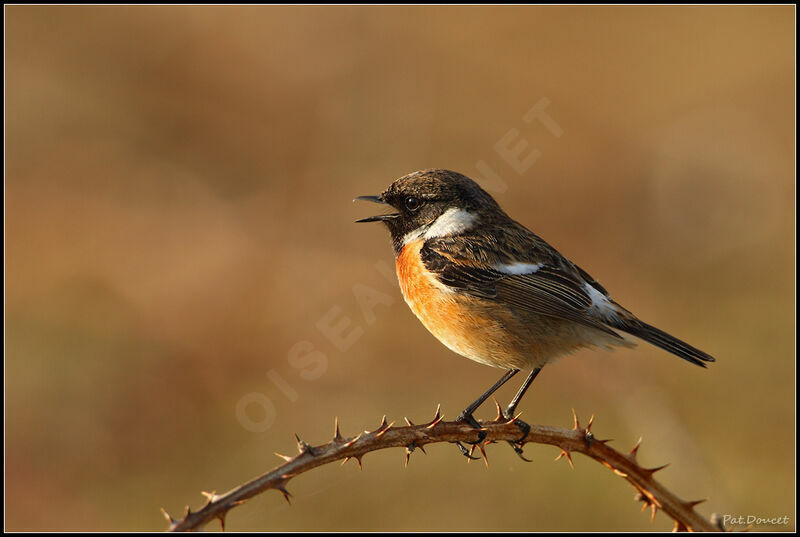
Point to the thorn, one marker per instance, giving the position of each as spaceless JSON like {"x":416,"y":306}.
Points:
{"x":210,"y":497}
{"x":385,"y":430}
{"x":287,"y":458}
{"x":694,"y":503}
{"x":604,"y":442}
{"x":383,"y":424}
{"x":639,"y":497}
{"x":434,"y":423}
{"x":514,"y":419}
{"x":648,"y":500}
{"x":421,"y":448}
{"x":286,"y":494}
{"x":651,"y":471}
{"x":589,"y":425}
{"x":565,"y":453}
{"x":409,"y":451}
{"x":167,"y":516}
{"x":437,"y":417}
{"x":575,"y":423}
{"x":302,"y":447}
{"x":221,"y":518}
{"x":483,"y":454}
{"x":337,"y":436}
{"x":500,"y":418}
{"x":356,"y":457}
{"x":410,"y":423}
{"x":353,"y":441}
{"x":635,"y":450}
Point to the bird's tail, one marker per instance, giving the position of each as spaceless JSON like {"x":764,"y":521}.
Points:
{"x":669,"y":343}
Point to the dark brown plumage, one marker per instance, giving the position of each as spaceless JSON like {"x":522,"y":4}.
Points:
{"x":484,"y":260}
{"x":491,"y":290}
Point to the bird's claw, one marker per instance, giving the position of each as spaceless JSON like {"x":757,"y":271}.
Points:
{"x":468,"y":418}
{"x":525,"y":428}
{"x":518,"y":450}
{"x":465,"y":451}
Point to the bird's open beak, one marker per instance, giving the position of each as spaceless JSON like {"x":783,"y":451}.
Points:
{"x":379,"y":218}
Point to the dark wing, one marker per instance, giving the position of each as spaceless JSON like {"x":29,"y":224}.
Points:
{"x":474,"y":264}
{"x":552,"y":290}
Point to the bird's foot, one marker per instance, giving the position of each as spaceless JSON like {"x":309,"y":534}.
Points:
{"x":469,"y":419}
{"x":508,"y":414}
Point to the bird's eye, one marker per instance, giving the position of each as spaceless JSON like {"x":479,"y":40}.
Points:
{"x":412,"y":203}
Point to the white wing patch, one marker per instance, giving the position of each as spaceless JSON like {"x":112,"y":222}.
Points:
{"x":518,"y":268}
{"x":601,"y":306}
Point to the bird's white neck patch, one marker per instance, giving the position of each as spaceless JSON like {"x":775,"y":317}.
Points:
{"x":451,"y":222}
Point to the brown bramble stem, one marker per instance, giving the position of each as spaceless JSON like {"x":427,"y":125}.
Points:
{"x":578,"y":439}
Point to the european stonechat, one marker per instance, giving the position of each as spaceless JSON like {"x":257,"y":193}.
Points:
{"x":493,"y":291}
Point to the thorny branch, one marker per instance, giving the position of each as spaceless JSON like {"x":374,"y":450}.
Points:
{"x":578,"y":439}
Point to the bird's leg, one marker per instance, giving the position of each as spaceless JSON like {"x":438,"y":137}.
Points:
{"x":466,"y":414}
{"x":512,"y":406}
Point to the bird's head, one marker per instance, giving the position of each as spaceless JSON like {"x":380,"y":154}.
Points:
{"x":431,"y":203}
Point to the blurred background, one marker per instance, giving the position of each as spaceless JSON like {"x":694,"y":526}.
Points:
{"x":185,"y":287}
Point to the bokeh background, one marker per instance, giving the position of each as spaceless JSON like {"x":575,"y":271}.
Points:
{"x":179,"y":223}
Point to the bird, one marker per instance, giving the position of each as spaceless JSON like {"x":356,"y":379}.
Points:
{"x":492,"y":291}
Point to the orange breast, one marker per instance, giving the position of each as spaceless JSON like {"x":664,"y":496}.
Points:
{"x":484,"y":330}
{"x":469,"y":326}
{"x":416,"y":282}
